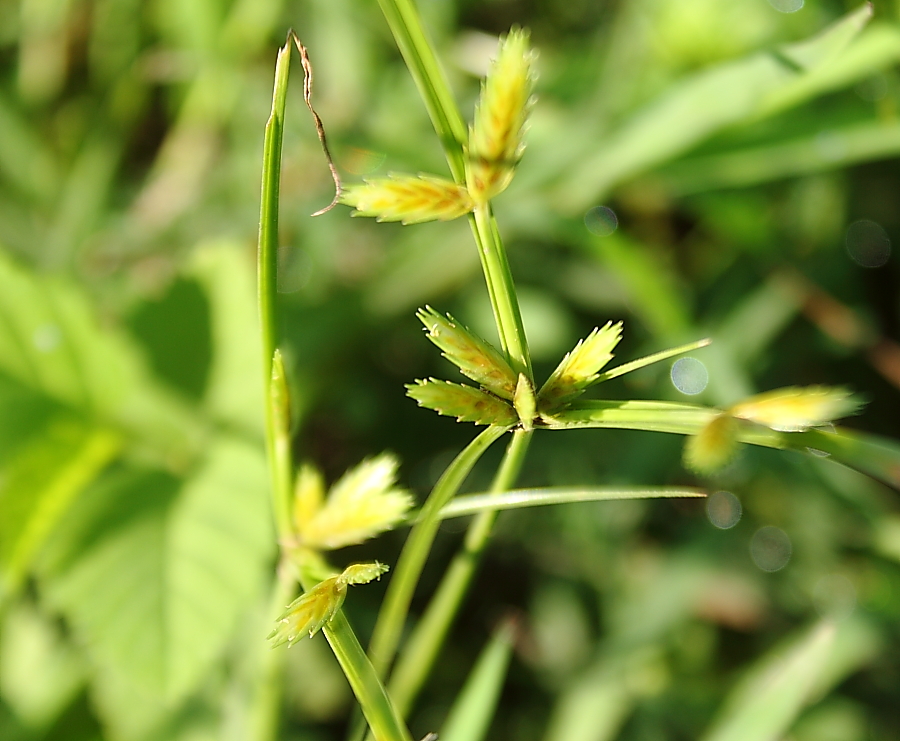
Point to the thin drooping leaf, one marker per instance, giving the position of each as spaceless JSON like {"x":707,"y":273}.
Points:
{"x":471,"y":504}
{"x":152,"y":573}
{"x":473,"y":710}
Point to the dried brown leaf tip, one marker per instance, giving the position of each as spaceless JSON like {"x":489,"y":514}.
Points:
{"x":410,"y":199}
{"x":496,"y":136}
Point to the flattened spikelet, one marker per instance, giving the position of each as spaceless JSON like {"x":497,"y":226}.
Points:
{"x":713,"y":447}
{"x":473,"y":356}
{"x":466,"y":403}
{"x":495,"y":138}
{"x":410,"y":199}
{"x":362,"y":504}
{"x":307,"y":614}
{"x":579,"y":368}
{"x":795,"y":409}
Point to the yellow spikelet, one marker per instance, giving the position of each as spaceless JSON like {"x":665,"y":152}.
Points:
{"x":307,"y":614}
{"x":495,"y":138}
{"x":713,"y":447}
{"x":466,"y":403}
{"x":580,"y":368}
{"x":362,"y":504}
{"x":473,"y":356}
{"x":795,"y":409}
{"x":410,"y":199}
{"x":311,"y":611}
{"x":309,"y":495}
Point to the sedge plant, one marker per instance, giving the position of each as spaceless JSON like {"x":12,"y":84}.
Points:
{"x":501,"y":396}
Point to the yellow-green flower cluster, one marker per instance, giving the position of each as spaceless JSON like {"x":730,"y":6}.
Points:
{"x":791,"y":409}
{"x":503,"y":397}
{"x":493,"y":150}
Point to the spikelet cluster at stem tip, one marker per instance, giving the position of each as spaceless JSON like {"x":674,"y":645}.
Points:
{"x":496,"y":136}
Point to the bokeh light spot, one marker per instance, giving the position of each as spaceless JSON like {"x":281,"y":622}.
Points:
{"x":786,"y":6}
{"x":601,"y":221}
{"x":689,"y":376}
{"x":723,"y":509}
{"x":46,"y":337}
{"x":770,"y":548}
{"x":868,"y":244}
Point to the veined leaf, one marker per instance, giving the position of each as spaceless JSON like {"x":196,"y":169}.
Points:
{"x":152,"y":573}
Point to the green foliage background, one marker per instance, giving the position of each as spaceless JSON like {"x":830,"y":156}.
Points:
{"x":136,"y":546}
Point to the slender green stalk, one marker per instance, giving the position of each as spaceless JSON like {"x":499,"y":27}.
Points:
{"x":406,"y":26}
{"x":501,"y":289}
{"x":268,"y":293}
{"x":418,"y":656}
{"x":266,"y":708}
{"x":385,"y":723}
{"x":395,"y":607}
{"x":418,"y":53}
{"x":381,"y":715}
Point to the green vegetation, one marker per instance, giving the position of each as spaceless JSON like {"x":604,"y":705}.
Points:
{"x":688,"y":170}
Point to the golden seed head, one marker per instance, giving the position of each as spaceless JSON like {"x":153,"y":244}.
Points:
{"x":410,"y":199}
{"x":362,"y":504}
{"x":713,"y":447}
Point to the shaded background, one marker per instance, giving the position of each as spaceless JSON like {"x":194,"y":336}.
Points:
{"x":683,"y":174}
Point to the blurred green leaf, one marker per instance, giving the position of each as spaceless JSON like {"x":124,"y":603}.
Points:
{"x":772,"y":694}
{"x":152,"y":573}
{"x":470,"y":716}
{"x":709,"y":101}
{"x":40,"y":481}
{"x":39,"y":672}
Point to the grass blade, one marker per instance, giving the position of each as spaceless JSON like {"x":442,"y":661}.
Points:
{"x":472,"y":712}
{"x":472,"y":504}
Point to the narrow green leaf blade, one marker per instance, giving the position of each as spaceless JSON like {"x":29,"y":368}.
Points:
{"x":470,"y":717}
{"x":471,"y":504}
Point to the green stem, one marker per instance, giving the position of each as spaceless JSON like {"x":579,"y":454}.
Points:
{"x":406,"y":27}
{"x":403,"y":582}
{"x":269,"y":685}
{"x":268,"y":293}
{"x":418,"y":656}
{"x":418,"y":53}
{"x":385,"y":722}
{"x":501,"y":289}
